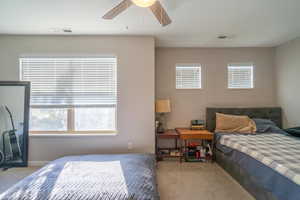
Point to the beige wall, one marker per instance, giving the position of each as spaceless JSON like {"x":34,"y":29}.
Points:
{"x":136,"y":86}
{"x":136,"y":77}
{"x":191,"y":104}
{"x":288,"y":81}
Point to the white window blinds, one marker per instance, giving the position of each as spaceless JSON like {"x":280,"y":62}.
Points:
{"x":71,"y":82}
{"x":240,"y":76}
{"x":188,"y":76}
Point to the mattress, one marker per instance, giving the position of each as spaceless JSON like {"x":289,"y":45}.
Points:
{"x":90,"y":177}
{"x":269,"y":160}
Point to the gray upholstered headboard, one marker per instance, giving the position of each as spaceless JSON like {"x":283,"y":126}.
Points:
{"x":271,"y":113}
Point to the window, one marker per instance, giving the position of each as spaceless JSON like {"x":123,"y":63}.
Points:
{"x":72,"y":95}
{"x":188,"y":76}
{"x":240,"y":76}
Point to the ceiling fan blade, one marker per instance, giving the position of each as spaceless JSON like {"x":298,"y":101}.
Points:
{"x":118,"y":9}
{"x":160,"y":14}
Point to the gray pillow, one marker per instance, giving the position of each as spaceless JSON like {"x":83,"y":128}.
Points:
{"x":293,"y":131}
{"x":265,"y":125}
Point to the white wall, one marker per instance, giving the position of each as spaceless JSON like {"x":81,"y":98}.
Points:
{"x":288,"y":81}
{"x":136,"y":90}
{"x":190,"y":104}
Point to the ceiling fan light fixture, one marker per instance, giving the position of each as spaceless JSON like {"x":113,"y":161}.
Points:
{"x":144,"y":3}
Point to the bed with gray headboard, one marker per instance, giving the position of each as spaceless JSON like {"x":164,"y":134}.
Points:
{"x":272,"y":113}
{"x":254,"y":175}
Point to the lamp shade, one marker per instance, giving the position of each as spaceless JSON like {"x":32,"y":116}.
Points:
{"x":163,"y":106}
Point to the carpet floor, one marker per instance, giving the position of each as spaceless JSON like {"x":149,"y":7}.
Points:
{"x":176,"y":181}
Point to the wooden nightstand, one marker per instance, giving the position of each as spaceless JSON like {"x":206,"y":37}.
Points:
{"x":168,"y":134}
{"x":186,"y":134}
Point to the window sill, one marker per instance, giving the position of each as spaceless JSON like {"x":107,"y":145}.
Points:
{"x":189,"y":88}
{"x":73,"y":135}
{"x":240,"y":89}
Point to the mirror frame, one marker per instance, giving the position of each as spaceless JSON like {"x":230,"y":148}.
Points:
{"x":26,"y":85}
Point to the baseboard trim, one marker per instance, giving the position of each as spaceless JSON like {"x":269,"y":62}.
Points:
{"x":37,"y":163}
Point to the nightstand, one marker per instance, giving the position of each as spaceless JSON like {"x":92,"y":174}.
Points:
{"x":186,"y":134}
{"x":166,"y":152}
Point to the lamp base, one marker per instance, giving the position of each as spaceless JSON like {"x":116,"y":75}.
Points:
{"x":160,"y":128}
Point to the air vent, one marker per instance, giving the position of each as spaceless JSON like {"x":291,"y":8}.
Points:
{"x":222,"y":37}
{"x":67,"y":30}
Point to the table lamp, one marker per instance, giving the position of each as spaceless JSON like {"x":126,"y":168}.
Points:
{"x":162,"y":107}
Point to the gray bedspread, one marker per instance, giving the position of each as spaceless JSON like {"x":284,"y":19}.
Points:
{"x":90,"y":177}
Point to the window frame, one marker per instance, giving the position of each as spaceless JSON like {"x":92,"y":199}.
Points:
{"x":242,"y":65}
{"x":71,"y":124}
{"x":189,"y":65}
{"x":71,"y":110}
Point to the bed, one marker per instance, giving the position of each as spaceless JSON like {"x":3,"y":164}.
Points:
{"x":89,"y":177}
{"x":267,"y":164}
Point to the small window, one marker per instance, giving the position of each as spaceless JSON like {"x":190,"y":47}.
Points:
{"x":188,"y":76}
{"x":72,"y":95}
{"x":240,"y":76}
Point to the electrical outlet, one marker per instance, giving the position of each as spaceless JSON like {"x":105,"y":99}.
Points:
{"x":130,"y":146}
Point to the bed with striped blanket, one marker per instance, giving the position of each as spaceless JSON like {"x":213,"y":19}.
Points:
{"x":267,"y":167}
{"x":277,"y":151}
{"x":90,"y":177}
{"x":267,"y":164}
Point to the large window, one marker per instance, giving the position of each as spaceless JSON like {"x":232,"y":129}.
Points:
{"x":240,"y":76}
{"x":72,"y":95}
{"x":188,"y":76}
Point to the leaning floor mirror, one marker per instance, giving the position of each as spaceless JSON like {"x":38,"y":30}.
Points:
{"x":14,"y":117}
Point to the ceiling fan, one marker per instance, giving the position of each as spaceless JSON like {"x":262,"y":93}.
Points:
{"x":154,"y":5}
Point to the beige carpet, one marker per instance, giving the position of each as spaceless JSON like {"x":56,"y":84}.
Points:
{"x":197,"y":181}
{"x":12,"y":176}
{"x":193,"y":181}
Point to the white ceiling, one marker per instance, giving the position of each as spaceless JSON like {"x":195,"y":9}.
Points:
{"x":196,"y":23}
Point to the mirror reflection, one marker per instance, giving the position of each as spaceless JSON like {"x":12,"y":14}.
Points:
{"x":12,"y":131}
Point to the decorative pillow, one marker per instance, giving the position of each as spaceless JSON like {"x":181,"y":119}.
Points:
{"x":293,"y":131}
{"x":264,"y":125}
{"x":234,"y":124}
